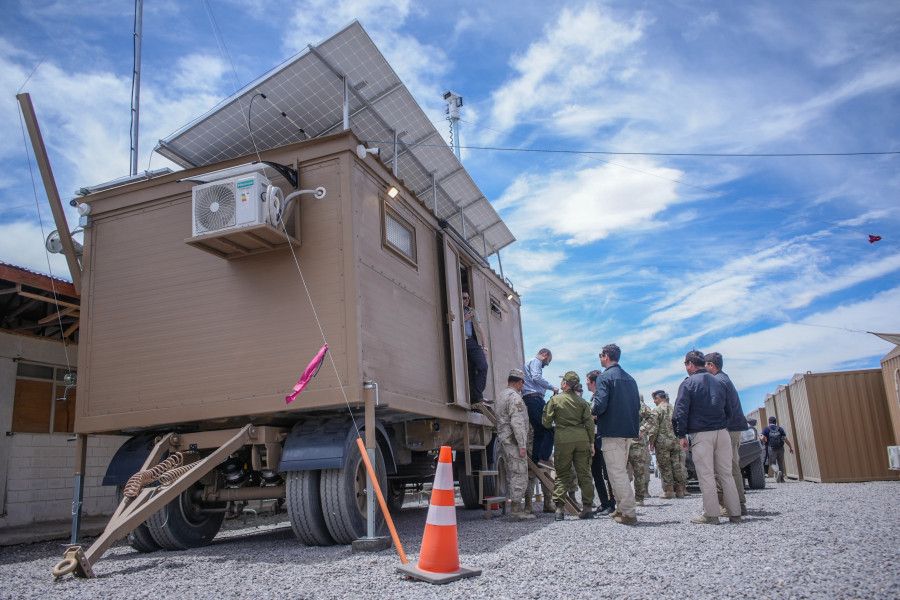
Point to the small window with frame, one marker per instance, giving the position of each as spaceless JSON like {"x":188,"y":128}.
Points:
{"x":496,"y":310}
{"x":398,"y":235}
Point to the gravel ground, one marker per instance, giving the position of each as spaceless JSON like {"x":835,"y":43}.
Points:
{"x":801,"y":540}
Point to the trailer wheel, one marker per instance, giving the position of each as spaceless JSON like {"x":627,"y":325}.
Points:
{"x":343,"y":493}
{"x":139,"y":538}
{"x":396,"y":494}
{"x":468,"y":484}
{"x":304,"y":507}
{"x":184,"y":523}
{"x":757,"y":476}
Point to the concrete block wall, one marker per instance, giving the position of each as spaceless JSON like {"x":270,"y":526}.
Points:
{"x":40,"y":478}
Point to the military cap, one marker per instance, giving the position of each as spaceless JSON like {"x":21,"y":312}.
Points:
{"x":517,"y":373}
{"x":571,"y":378}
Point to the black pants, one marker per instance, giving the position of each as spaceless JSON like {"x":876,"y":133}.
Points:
{"x":477,"y":369}
{"x":542,"y":449}
{"x":601,"y":476}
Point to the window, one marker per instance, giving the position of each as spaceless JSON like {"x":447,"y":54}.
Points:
{"x":41,"y":403}
{"x":398,"y":235}
{"x":495,"y":308}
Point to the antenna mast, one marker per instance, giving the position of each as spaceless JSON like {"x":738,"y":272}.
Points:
{"x":136,"y":84}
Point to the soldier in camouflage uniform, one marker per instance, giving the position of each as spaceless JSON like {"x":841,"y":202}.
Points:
{"x":512,"y":434}
{"x":667,"y":447}
{"x":638,"y":465}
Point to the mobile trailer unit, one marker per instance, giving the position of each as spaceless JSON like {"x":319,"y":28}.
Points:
{"x":191,"y":341}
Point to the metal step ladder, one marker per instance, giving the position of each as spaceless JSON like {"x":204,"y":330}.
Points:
{"x":486,"y":501}
{"x":539,"y":472}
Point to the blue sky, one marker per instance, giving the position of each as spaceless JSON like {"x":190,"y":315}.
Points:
{"x":764,"y":259}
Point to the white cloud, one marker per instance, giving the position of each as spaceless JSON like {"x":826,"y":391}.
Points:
{"x":577,"y":51}
{"x":583,"y":206}
{"x":21,"y":245}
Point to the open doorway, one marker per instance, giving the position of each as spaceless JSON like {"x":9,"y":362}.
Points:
{"x":475,"y":341}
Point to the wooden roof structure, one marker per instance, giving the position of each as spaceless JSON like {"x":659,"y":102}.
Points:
{"x":38,"y":305}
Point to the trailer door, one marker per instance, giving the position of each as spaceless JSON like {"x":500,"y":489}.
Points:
{"x":453,"y":294}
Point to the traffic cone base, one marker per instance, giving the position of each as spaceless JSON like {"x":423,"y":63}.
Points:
{"x":439,"y":557}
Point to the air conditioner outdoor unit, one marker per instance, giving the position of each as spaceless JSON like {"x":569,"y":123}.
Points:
{"x":229,"y":203}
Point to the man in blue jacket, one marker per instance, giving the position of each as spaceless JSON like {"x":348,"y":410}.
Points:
{"x":617,"y":404}
{"x":736,"y":426}
{"x":702,"y":411}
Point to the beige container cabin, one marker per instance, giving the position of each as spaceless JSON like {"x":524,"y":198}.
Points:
{"x":842,"y":426}
{"x":215,"y":330}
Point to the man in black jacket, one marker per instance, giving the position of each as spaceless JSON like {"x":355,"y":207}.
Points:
{"x":702,"y":410}
{"x":616,"y":404}
{"x":736,"y":426}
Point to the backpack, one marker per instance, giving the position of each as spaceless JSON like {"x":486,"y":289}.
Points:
{"x":774,"y":437}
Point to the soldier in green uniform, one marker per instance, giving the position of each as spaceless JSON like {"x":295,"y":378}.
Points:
{"x":574,"y":443}
{"x":636,"y":459}
{"x":668,"y":450}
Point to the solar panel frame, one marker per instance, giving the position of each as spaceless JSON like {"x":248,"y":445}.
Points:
{"x":304,"y":99}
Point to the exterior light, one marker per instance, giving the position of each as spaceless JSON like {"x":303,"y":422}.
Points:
{"x":392,"y":192}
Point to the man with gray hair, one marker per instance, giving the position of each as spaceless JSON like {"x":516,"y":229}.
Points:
{"x":512,"y":434}
{"x":702,"y":411}
{"x":736,"y":426}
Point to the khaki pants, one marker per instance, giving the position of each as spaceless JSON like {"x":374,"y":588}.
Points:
{"x":615,"y":455}
{"x":736,"y":466}
{"x":711,"y":451}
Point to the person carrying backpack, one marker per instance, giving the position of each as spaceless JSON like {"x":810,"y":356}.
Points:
{"x":775,"y":438}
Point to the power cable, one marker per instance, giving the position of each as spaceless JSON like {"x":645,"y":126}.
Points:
{"x":56,"y":39}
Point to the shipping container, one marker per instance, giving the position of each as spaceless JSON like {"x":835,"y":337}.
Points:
{"x":785,"y":414}
{"x":842,"y":426}
{"x":890,"y":370}
{"x":761,"y":420}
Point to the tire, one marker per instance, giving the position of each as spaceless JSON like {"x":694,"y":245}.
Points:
{"x":343,"y":494}
{"x":182,"y":524}
{"x":757,"y":478}
{"x":304,"y":506}
{"x":468,"y":484}
{"x":396,"y":494}
{"x":139,"y":538}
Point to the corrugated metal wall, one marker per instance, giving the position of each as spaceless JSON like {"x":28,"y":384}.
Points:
{"x":842,"y":425}
{"x":761,"y":420}
{"x":890,"y":371}
{"x":785,"y":412}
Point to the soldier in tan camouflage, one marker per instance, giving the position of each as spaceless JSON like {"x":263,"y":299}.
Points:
{"x":512,"y":434}
{"x":667,"y":448}
{"x":638,"y":464}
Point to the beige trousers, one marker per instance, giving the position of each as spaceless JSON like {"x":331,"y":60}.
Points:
{"x":736,"y":465}
{"x":615,"y":455}
{"x":711,"y":451}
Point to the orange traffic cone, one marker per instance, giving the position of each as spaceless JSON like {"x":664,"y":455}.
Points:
{"x":439,"y":558}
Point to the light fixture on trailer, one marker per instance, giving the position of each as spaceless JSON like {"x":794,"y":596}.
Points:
{"x":362,"y":152}
{"x":392,"y":192}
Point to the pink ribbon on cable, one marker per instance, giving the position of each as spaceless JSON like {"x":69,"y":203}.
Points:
{"x":312,"y":369}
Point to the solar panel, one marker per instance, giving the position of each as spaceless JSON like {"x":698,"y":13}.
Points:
{"x":309,"y":90}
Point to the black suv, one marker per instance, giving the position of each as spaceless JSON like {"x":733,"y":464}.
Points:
{"x":751,"y":454}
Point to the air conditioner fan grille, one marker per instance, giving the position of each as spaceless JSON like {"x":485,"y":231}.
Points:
{"x":214,"y":207}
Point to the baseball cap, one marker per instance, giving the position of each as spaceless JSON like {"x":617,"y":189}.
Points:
{"x":571,"y":378}
{"x":518,"y":373}
{"x":771,"y":419}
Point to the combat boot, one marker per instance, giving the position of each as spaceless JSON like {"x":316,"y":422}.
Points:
{"x":639,"y":502}
{"x":587,"y":513}
{"x":669,"y":493}
{"x":529,"y":507}
{"x":560,"y":513}
{"x":680,"y":492}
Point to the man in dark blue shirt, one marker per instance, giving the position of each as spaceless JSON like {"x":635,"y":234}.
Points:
{"x":702,"y":411}
{"x":774,"y":437}
{"x":736,"y":426}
